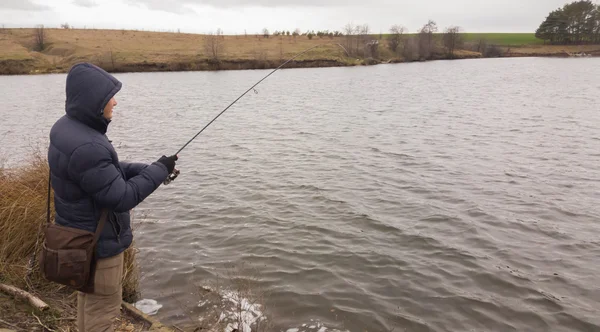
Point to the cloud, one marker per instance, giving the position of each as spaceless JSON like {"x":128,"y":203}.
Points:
{"x":173,"y":6}
{"x":394,"y":5}
{"x":85,"y":3}
{"x":22,"y":5}
{"x":178,"y":5}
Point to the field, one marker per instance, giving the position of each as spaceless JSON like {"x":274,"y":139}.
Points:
{"x":129,"y":50}
{"x":500,"y":39}
{"x":115,"y":49}
{"x":504,"y":39}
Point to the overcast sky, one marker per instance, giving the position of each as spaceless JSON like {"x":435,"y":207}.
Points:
{"x":235,"y":16}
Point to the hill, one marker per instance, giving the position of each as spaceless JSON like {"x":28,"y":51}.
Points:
{"x":128,"y":50}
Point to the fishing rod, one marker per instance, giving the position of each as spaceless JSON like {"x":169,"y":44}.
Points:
{"x":175,"y":173}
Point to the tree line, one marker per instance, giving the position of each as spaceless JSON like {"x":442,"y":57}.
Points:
{"x":427,"y":43}
{"x":575,"y":23}
{"x":357,"y":40}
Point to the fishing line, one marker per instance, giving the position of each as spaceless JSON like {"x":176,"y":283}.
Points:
{"x":175,"y":173}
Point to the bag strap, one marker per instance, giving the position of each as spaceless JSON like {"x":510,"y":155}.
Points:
{"x":49,"y":188}
{"x":101,"y":223}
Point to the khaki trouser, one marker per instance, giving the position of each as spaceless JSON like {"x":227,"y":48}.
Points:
{"x":97,"y":312}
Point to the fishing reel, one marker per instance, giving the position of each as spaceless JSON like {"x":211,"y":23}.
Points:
{"x":171,"y":177}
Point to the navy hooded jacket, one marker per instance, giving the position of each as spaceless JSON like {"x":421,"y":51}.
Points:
{"x":85,"y":170}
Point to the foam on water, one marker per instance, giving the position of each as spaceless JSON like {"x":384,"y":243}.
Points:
{"x":238,"y":312}
{"x":313,"y":327}
{"x":242,"y":314}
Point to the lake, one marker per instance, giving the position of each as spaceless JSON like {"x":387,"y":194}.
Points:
{"x":438,"y":196}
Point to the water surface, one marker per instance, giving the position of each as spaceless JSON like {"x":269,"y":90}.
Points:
{"x":440,"y":196}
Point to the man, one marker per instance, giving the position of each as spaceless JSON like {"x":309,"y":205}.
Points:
{"x":87,"y":177}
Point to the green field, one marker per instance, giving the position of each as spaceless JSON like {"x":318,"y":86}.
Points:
{"x":504,"y":38}
{"x":501,"y":39}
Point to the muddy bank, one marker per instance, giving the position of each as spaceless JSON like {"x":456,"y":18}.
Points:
{"x":17,"y":67}
{"x":32,"y":66}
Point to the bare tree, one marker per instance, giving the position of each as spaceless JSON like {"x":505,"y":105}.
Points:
{"x":349,"y":30}
{"x":214,"y":44}
{"x":65,"y":26}
{"x":395,"y":40}
{"x":40,"y":38}
{"x":410,"y":50}
{"x":265,"y":33}
{"x":452,"y":39}
{"x":492,"y":51}
{"x":296,"y":33}
{"x":426,"y":39}
{"x":357,"y":39}
{"x":363,"y":33}
{"x":372,"y":48}
{"x":367,"y":42}
{"x":365,"y":30}
{"x":481,"y":46}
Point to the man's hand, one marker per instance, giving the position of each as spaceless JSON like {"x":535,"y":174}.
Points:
{"x":169,"y":162}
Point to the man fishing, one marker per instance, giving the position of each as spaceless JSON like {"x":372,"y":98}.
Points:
{"x":87,"y":177}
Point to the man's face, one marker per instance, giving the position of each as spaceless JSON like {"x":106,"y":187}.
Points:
{"x":108,"y":110}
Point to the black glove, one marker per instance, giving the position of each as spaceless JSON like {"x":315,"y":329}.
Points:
{"x":169,"y":162}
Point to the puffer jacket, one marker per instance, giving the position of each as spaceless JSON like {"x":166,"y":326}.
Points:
{"x":86,"y":173}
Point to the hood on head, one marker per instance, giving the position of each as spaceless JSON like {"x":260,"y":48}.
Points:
{"x":89,"y":88}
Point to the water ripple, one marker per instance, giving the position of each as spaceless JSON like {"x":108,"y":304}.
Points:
{"x":422,"y":197}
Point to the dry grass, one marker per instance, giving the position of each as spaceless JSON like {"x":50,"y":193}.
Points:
{"x":23,"y":194}
{"x":11,"y":49}
{"x":117,"y":50}
{"x":128,"y":50}
{"x":23,"y":198}
{"x":131,"y":275}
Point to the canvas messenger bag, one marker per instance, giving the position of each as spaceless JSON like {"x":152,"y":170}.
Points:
{"x":68,"y":254}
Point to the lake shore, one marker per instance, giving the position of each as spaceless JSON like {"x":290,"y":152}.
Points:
{"x":357,"y":166}
{"x":30,"y":302}
{"x":122,"y":51}
{"x":29,"y":67}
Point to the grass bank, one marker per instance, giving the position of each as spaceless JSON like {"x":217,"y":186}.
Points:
{"x":142,"y":51}
{"x":23,"y":197}
{"x":234,"y":299}
{"x":126,"y":51}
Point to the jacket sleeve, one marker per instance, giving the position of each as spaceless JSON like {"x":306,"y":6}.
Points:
{"x":132,"y":169}
{"x":91,"y":166}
